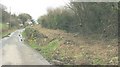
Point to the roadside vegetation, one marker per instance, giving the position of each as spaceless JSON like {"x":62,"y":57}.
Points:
{"x":78,"y":33}
{"x":10,"y":22}
{"x":85,"y":19}
{"x":4,"y":30}
{"x":59,"y":47}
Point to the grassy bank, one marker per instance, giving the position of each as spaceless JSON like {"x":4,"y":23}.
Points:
{"x":5,"y":31}
{"x":59,"y":47}
{"x":47,"y":50}
{"x":3,"y":26}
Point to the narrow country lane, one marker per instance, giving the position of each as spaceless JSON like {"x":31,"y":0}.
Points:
{"x":15,"y":52}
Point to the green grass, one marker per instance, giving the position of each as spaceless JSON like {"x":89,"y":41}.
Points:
{"x":33,"y":44}
{"x":98,"y":61}
{"x":71,"y":54}
{"x":6,"y":33}
{"x":23,"y":34}
{"x":0,"y":25}
{"x":3,"y":26}
{"x":47,"y":50}
{"x":4,"y":30}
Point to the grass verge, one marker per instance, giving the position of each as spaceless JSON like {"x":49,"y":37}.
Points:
{"x":5,"y":31}
{"x":66,"y":49}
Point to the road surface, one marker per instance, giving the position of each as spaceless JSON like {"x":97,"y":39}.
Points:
{"x":15,"y":52}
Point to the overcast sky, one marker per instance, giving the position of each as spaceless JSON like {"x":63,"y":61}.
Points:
{"x":35,"y":8}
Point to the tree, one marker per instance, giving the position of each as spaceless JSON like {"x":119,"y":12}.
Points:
{"x":24,"y":17}
{"x":95,"y":17}
{"x":2,"y":8}
{"x":59,"y":18}
{"x":6,"y":17}
{"x":14,"y":22}
{"x":84,"y":18}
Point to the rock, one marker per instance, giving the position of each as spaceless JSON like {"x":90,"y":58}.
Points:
{"x":69,"y":42}
{"x":45,"y":36}
{"x":75,"y":35}
{"x":57,"y":62}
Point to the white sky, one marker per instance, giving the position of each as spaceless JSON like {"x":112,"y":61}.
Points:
{"x":35,"y":8}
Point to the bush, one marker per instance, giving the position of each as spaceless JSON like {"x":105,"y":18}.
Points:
{"x":33,"y":36}
{"x":84,"y":18}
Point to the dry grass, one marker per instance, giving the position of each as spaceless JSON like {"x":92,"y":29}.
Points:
{"x":79,"y":50}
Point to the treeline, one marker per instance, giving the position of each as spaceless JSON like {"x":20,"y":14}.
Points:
{"x":13,"y":20}
{"x":84,"y":18}
{"x":8,"y":18}
{"x":60,"y":18}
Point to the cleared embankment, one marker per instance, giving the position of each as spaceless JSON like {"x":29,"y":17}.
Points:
{"x":60,"y":47}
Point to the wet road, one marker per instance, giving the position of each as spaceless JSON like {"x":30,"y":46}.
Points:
{"x":15,"y":52}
